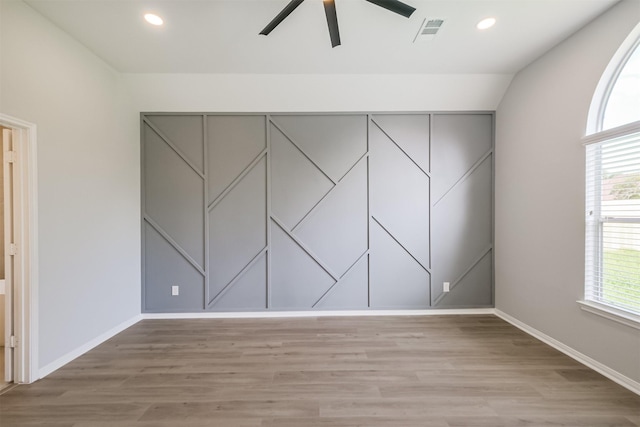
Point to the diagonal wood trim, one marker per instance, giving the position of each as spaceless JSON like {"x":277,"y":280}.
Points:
{"x":305,"y":248}
{"x":475,"y":262}
{"x":237,"y":277}
{"x":400,"y":148}
{"x":366,"y":154}
{"x":313,"y":209}
{"x":401,"y":245}
{"x":173,"y":147}
{"x":301,"y":150}
{"x":236,"y":180}
{"x":340,"y":280}
{"x":174,"y":244}
{"x":466,"y":175}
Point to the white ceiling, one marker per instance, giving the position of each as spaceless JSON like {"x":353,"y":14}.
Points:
{"x":221,"y":36}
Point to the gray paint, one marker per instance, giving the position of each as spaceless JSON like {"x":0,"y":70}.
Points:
{"x":296,"y":183}
{"x":462,"y":210}
{"x":400,"y":194}
{"x":232,"y":142}
{"x":298,"y":280}
{"x":165,"y":267}
{"x":249,"y":292}
{"x":327,"y":212}
{"x":351,"y":292}
{"x":173,"y":195}
{"x":237,"y":229}
{"x":333,"y":142}
{"x":397,"y":280}
{"x":337,"y":229}
{"x":460,"y":141}
{"x":411,"y":133}
{"x":185,"y":132}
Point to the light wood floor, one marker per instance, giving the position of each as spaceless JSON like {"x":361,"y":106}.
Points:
{"x":440,"y":371}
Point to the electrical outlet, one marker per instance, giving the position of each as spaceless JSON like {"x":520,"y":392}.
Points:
{"x":175,"y":290}
{"x":445,"y":287}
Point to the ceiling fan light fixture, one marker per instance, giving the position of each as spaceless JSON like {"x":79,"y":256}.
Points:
{"x":153,"y":19}
{"x":486,"y":23}
{"x":395,"y":6}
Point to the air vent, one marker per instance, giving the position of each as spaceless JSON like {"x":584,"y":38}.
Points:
{"x":428,"y":29}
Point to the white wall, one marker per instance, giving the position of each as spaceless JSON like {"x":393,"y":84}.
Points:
{"x":540,"y":193}
{"x":88,"y":179}
{"x":315,"y":92}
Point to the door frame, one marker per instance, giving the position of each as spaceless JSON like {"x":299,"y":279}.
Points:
{"x":25,"y":286}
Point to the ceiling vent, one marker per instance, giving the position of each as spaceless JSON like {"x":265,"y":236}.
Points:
{"x":429,"y":28}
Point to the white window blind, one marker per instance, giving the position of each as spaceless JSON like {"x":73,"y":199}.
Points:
{"x":613,"y":220}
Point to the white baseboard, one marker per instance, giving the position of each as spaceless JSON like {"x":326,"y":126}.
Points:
{"x":276,"y":314}
{"x":61,"y":361}
{"x":613,"y":375}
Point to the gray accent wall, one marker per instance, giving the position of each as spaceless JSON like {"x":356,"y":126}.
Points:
{"x":254,"y":212}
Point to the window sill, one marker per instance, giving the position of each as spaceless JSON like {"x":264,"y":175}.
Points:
{"x":611,"y":313}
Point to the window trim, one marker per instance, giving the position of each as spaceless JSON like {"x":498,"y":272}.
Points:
{"x":605,"y":310}
{"x":617,"y":132}
{"x":611,"y":83}
{"x":611,"y":313}
{"x":608,"y":80}
{"x":595,"y":134}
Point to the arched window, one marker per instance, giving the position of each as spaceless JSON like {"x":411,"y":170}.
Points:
{"x":612,"y":261}
{"x":622,"y":105}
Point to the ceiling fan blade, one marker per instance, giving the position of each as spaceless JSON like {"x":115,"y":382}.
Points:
{"x":332,"y":21}
{"x":395,"y":6}
{"x":281,"y":16}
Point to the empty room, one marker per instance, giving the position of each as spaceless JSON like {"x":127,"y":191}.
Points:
{"x":290,"y":213}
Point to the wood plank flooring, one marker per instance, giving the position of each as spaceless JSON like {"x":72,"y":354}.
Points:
{"x":431,"y":371}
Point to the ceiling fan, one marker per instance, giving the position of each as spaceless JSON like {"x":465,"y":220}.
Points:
{"x":395,"y":6}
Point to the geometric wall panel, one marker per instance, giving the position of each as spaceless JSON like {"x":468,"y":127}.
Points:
{"x":173,"y":196}
{"x":400,"y":194}
{"x":297,"y":184}
{"x":397,"y":280}
{"x":185,"y":132}
{"x":237,"y":229}
{"x":232,"y":143}
{"x":249,"y":292}
{"x":409,"y":132}
{"x":298,"y":281}
{"x":460,"y":140}
{"x":165,"y":267}
{"x":351,"y":292}
{"x":474,"y":288}
{"x":253,"y":212}
{"x":464,"y":214}
{"x":333,"y":142}
{"x":337,"y":230}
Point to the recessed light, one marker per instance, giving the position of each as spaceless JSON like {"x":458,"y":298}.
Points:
{"x":153,"y":19}
{"x":486,"y":23}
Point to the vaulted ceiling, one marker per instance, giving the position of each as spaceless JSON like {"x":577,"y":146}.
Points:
{"x":222,"y":36}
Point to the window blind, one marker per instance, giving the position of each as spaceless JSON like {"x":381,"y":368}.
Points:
{"x":613,"y":221}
